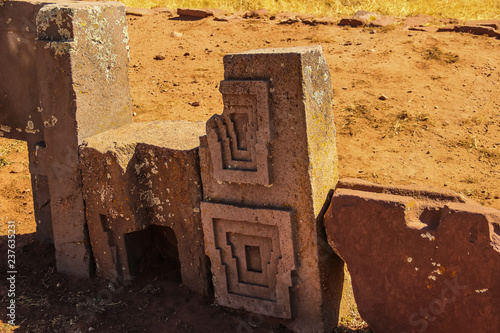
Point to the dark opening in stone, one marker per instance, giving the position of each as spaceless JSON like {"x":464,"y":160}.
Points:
{"x":154,"y":249}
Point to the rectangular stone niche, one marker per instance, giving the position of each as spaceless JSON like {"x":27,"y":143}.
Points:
{"x":252,"y":257}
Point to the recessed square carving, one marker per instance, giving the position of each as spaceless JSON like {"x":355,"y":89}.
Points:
{"x":252,"y":257}
{"x":239,"y":138}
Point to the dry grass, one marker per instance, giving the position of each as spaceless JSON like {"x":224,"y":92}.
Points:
{"x":459,"y":9}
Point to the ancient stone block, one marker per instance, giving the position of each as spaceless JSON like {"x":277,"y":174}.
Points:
{"x":81,"y":54}
{"x":142,"y":191}
{"x":280,"y":99}
{"x":60,"y":63}
{"x":421,"y":260}
{"x":252,"y":257}
{"x":239,"y":138}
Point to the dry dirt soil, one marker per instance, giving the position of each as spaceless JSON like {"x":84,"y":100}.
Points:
{"x":410,"y":108}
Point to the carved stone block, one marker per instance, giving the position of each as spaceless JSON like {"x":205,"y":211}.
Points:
{"x":238,"y":139}
{"x":252,"y":257}
{"x":273,"y":149}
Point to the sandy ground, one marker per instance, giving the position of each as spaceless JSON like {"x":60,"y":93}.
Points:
{"x":410,"y":107}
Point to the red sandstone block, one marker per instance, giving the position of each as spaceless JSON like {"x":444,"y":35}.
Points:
{"x":420,"y":260}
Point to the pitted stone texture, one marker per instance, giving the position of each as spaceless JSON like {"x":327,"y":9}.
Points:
{"x":142,"y":175}
{"x":81,"y":54}
{"x":302,"y":166}
{"x":252,"y":257}
{"x":55,"y":93}
{"x":419,"y":262}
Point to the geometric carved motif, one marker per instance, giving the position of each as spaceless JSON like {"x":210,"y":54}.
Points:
{"x":239,"y":138}
{"x":252,"y":257}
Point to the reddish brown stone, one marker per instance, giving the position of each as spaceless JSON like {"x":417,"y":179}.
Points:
{"x":421,"y":260}
{"x":495,"y":24}
{"x":230,"y":18}
{"x":424,"y":29}
{"x":165,"y":11}
{"x":417,"y":21}
{"x":141,"y":180}
{"x":479,"y":30}
{"x":366,"y":16}
{"x":258,"y":13}
{"x":326,"y":20}
{"x":63,"y":82}
{"x":351,"y":22}
{"x":201,"y":13}
{"x":449,"y":28}
{"x":75,"y":104}
{"x":384,"y":21}
{"x":289,"y":17}
{"x":265,"y":177}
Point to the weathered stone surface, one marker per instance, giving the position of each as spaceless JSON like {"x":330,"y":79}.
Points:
{"x":420,"y":260}
{"x":230,"y":18}
{"x":201,"y":13}
{"x":352,"y":22}
{"x":424,"y":29}
{"x":54,"y":74}
{"x":81,"y":54}
{"x":417,"y":21}
{"x":366,"y":16}
{"x":20,"y":109}
{"x":258,"y":13}
{"x":476,"y":30}
{"x":141,"y":179}
{"x":448,"y":28}
{"x":289,"y":17}
{"x":384,"y":21}
{"x":479,"y":30}
{"x":325,"y":20}
{"x":277,"y":102}
{"x":165,"y":11}
{"x":495,"y":24}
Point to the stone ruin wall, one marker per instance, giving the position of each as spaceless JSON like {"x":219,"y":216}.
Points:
{"x":248,"y":205}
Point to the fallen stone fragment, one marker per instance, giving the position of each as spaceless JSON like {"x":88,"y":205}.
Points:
{"x":159,"y":57}
{"x":176,"y":34}
{"x":424,"y":29}
{"x":495,"y":24}
{"x":230,"y":18}
{"x":141,"y":11}
{"x":201,"y":13}
{"x":161,"y":10}
{"x":384,"y":21}
{"x":417,"y":21}
{"x":382,"y":97}
{"x":479,"y":30}
{"x":476,"y":30}
{"x":421,"y":260}
{"x":290,"y":18}
{"x":351,"y":22}
{"x":366,"y":16}
{"x":326,"y":20}
{"x":259,"y":14}
{"x":449,"y":28}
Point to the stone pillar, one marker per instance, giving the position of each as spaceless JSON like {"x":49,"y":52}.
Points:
{"x":20,"y":111}
{"x":268,"y":164}
{"x":81,"y":61}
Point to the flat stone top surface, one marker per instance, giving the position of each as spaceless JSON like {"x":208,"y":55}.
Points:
{"x":297,"y":49}
{"x":179,"y":135}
